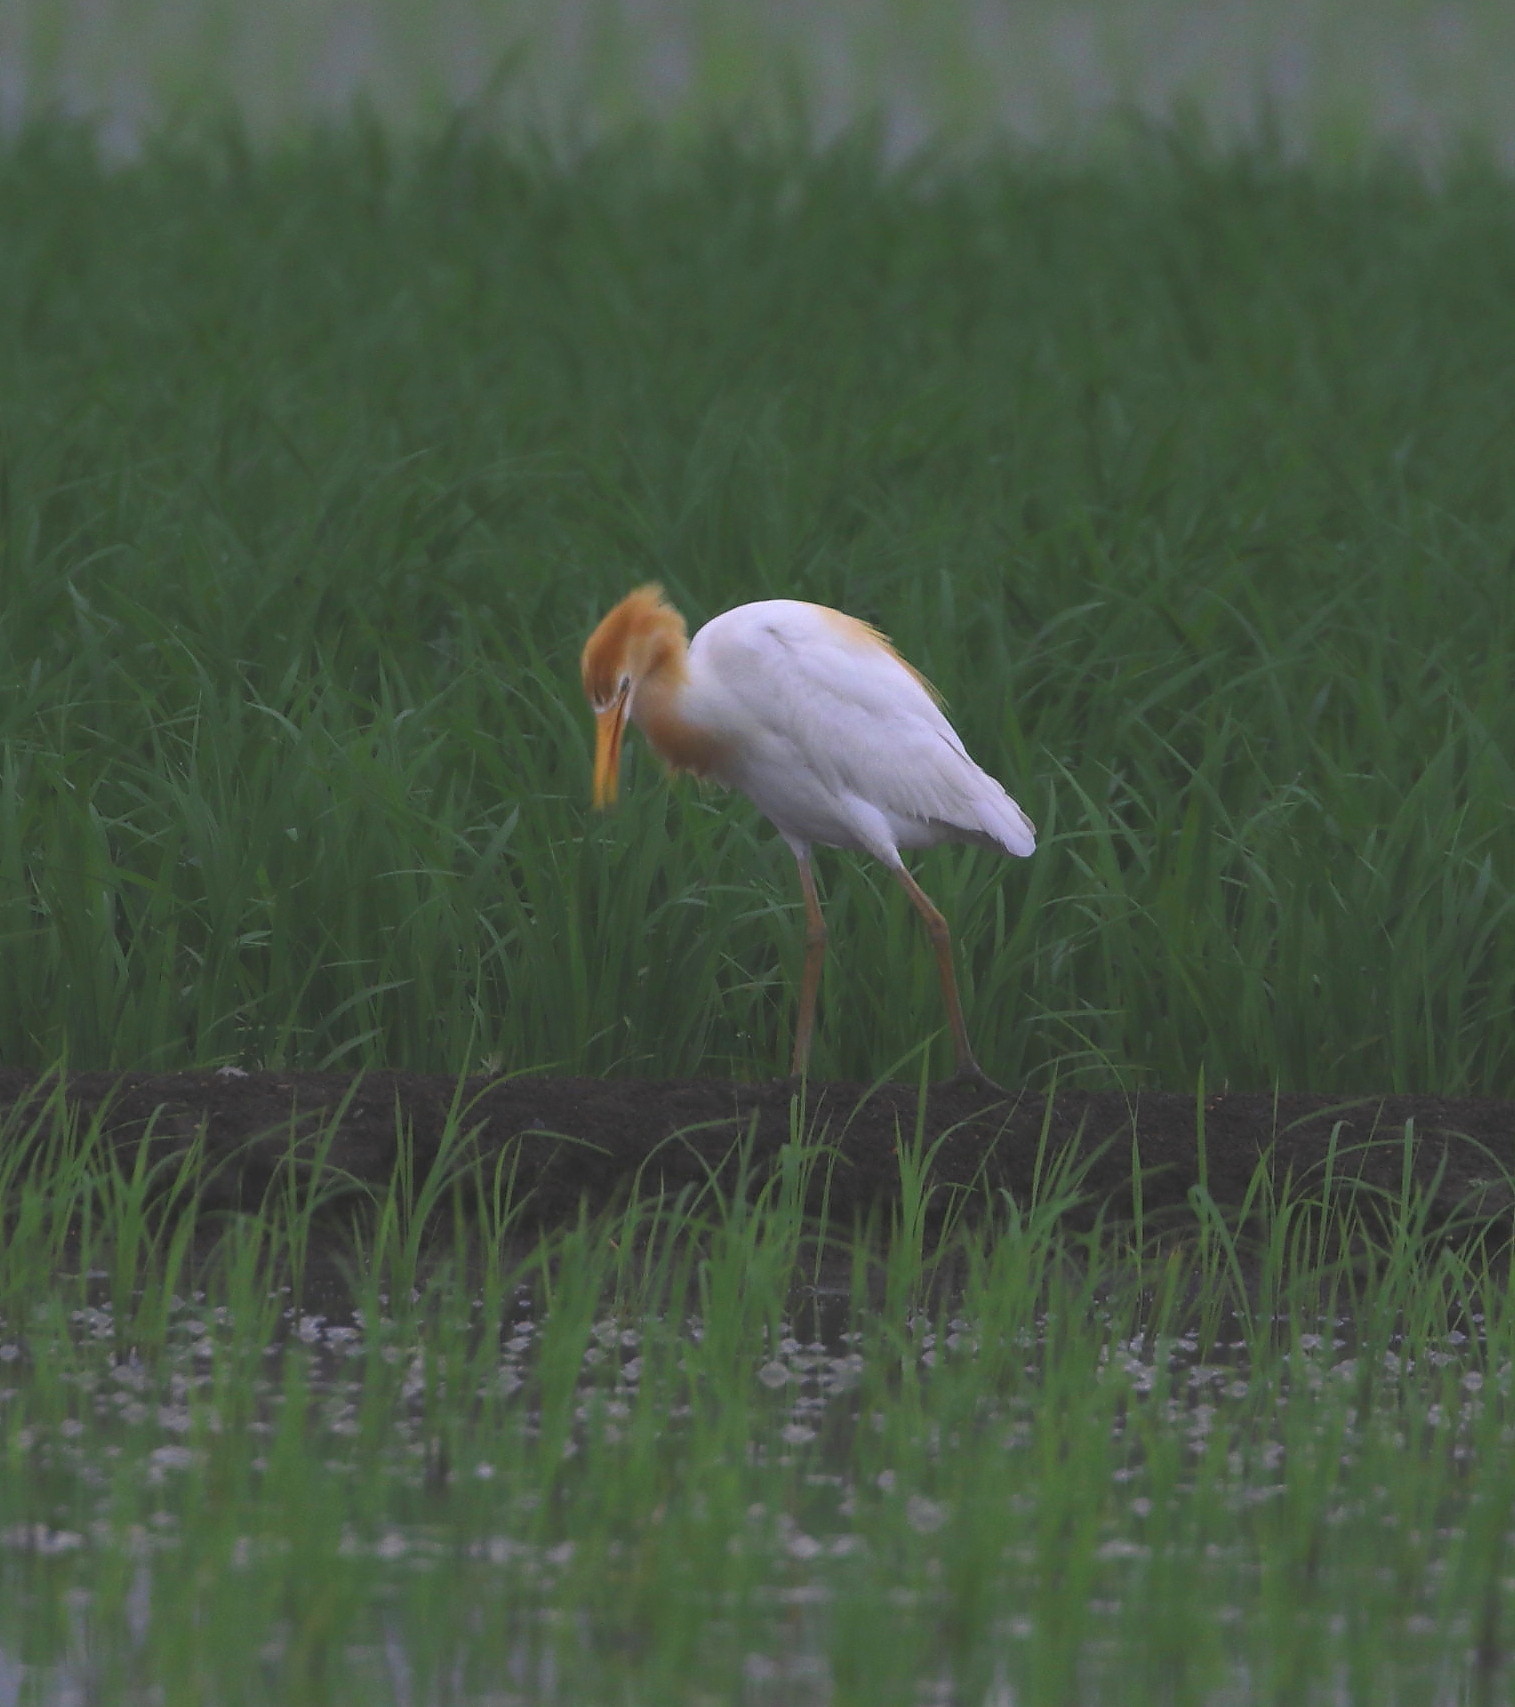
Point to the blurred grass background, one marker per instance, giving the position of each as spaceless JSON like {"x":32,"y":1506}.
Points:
{"x":1183,"y":478}
{"x":1177,"y":461}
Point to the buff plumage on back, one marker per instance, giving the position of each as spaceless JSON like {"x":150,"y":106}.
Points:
{"x":854,"y":628}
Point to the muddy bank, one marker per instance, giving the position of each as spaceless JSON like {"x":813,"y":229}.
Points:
{"x":593,"y":1142}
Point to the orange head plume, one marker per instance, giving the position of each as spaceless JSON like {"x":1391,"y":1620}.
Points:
{"x":642,"y":634}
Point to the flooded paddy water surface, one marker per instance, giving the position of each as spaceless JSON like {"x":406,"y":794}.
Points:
{"x":975,"y":1443}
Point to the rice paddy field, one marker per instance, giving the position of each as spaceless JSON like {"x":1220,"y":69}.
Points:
{"x":382,"y":1446}
{"x":1183,"y":469}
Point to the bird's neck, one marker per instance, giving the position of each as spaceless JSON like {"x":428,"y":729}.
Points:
{"x":660,"y":709}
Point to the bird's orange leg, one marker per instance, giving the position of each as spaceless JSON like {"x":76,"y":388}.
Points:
{"x":941,"y":941}
{"x":810,"y":978}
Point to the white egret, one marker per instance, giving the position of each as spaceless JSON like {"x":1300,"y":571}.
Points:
{"x":816,"y":718}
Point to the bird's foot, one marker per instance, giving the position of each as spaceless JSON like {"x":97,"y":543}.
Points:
{"x":971,"y":1077}
{"x":800,"y":1082}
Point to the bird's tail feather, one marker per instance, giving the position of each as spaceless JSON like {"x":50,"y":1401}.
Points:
{"x":1004,"y":823}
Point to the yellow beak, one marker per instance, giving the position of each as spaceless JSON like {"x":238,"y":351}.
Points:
{"x":609,"y":727}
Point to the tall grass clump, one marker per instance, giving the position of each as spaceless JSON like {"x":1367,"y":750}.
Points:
{"x":1181,"y":476}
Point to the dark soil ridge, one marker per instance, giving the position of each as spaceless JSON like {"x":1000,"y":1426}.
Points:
{"x":591,"y":1144}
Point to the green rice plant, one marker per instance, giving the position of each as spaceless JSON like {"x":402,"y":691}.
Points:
{"x":43,"y":1156}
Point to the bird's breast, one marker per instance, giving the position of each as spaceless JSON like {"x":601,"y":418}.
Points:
{"x":677,"y":733}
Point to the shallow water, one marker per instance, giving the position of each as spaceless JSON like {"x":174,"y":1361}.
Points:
{"x":86,"y":1554}
{"x":1328,"y":74}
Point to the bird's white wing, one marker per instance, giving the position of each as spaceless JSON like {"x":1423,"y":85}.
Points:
{"x":830,"y":731}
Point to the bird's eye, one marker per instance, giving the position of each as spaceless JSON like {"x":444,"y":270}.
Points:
{"x":604,"y":701}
